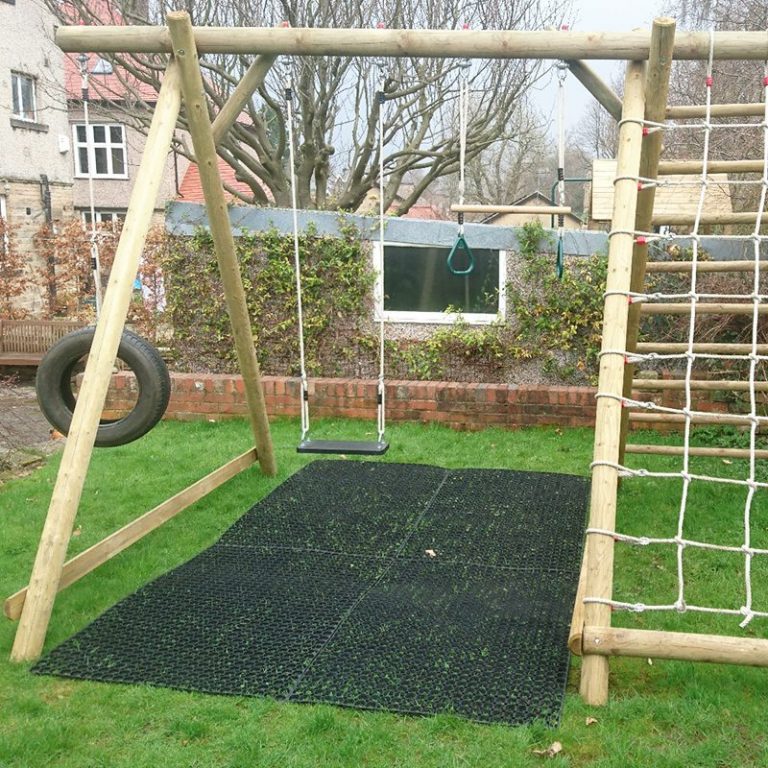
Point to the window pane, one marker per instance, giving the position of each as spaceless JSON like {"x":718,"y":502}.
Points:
{"x":116,"y":134}
{"x":100,"y":154}
{"x":16,"y":97}
{"x":28,"y":97}
{"x":118,"y":160}
{"x":419,"y":280}
{"x":81,"y":134}
{"x":82,"y":154}
{"x":99,"y":134}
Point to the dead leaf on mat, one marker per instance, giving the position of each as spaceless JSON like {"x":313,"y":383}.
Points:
{"x":590,"y":720}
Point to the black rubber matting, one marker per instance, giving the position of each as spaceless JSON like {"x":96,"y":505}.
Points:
{"x":397,"y":587}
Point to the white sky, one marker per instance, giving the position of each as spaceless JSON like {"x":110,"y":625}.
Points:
{"x":596,"y":15}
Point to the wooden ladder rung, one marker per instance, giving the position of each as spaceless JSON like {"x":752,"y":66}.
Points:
{"x":703,"y":266}
{"x":694,"y":167}
{"x":673,"y":348}
{"x":679,"y":450}
{"x":708,"y":384}
{"x":675,"y":308}
{"x":690,"y":111}
{"x":735,"y":217}
{"x":678,"y":418}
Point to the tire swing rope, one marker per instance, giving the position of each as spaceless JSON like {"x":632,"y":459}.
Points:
{"x":461,"y":245}
{"x":53,"y":383}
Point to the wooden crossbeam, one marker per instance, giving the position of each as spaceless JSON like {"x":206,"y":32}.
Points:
{"x":685,"y":646}
{"x":602,"y":92}
{"x":107,"y":548}
{"x":422,"y":43}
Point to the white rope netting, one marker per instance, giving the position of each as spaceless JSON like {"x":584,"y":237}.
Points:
{"x":689,"y":356}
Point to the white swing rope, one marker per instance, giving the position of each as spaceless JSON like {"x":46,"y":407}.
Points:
{"x":463,"y":121}
{"x":562,"y":74}
{"x":288,"y":93}
{"x":379,"y":300}
{"x":82,"y":61}
{"x":747,"y":611}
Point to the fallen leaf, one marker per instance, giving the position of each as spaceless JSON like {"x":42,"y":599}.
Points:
{"x":555,"y":748}
{"x":650,"y":662}
{"x":727,"y":461}
{"x":77,"y":531}
{"x":590,"y":721}
{"x":430,"y":552}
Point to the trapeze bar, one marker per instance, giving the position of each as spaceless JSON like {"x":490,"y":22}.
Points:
{"x":426,"y":43}
{"x":686,"y":646}
{"x":547,"y":210}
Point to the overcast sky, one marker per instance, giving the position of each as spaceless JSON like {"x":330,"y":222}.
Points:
{"x":596,"y":15}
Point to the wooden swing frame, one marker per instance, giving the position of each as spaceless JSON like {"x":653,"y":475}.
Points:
{"x":650,"y":57}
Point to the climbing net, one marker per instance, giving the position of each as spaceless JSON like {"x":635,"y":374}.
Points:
{"x":750,"y":355}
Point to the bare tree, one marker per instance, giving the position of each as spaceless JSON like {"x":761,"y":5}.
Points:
{"x":336,"y":107}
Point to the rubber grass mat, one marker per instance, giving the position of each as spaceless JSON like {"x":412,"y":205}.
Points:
{"x":397,"y":587}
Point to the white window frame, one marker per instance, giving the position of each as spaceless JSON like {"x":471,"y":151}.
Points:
{"x":91,"y":146}
{"x":16,"y":90}
{"x":103,"y":215}
{"x":439,"y":318}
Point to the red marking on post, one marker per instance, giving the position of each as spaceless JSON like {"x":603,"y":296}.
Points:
{"x":709,"y":81}
{"x":380,"y":25}
{"x":465,"y":25}
{"x":564,"y":28}
{"x":639,"y":186}
{"x":641,"y":240}
{"x":285,"y":24}
{"x":765,"y":82}
{"x":646,"y":130}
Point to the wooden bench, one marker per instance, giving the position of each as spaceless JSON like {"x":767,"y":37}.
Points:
{"x":24,"y":342}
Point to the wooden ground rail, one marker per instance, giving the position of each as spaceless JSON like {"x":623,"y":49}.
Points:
{"x":24,"y":342}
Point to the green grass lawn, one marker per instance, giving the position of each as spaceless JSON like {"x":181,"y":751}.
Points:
{"x":660,"y":714}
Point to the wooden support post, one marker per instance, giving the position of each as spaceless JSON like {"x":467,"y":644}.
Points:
{"x":695,"y":167}
{"x":685,"y":646}
{"x":252,"y":80}
{"x":121,"y":539}
{"x":421,"y":43}
{"x":52,"y":550}
{"x":548,"y":210}
{"x":602,"y":92}
{"x":688,"y":112}
{"x":656,"y":93}
{"x":185,"y":53}
{"x":599,"y":571}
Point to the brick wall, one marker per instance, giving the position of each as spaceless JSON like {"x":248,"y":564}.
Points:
{"x":459,"y":405}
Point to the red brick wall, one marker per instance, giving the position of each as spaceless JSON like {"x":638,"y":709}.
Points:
{"x":462,"y":406}
{"x":459,"y":405}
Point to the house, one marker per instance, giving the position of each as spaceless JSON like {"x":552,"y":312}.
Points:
{"x":108,"y":150}
{"x":36,"y":166}
{"x":677,"y":198}
{"x":571,"y":220}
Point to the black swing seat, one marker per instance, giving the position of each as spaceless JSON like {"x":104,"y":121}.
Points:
{"x":354,"y":447}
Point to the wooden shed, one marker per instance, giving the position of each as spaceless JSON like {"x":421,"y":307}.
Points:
{"x":671,"y":199}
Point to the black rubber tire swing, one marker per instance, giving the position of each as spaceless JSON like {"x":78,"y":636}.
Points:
{"x":57,"y":400}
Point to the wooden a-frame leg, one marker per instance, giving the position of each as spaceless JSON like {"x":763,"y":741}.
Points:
{"x":185,"y":52}
{"x":52,"y":550}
